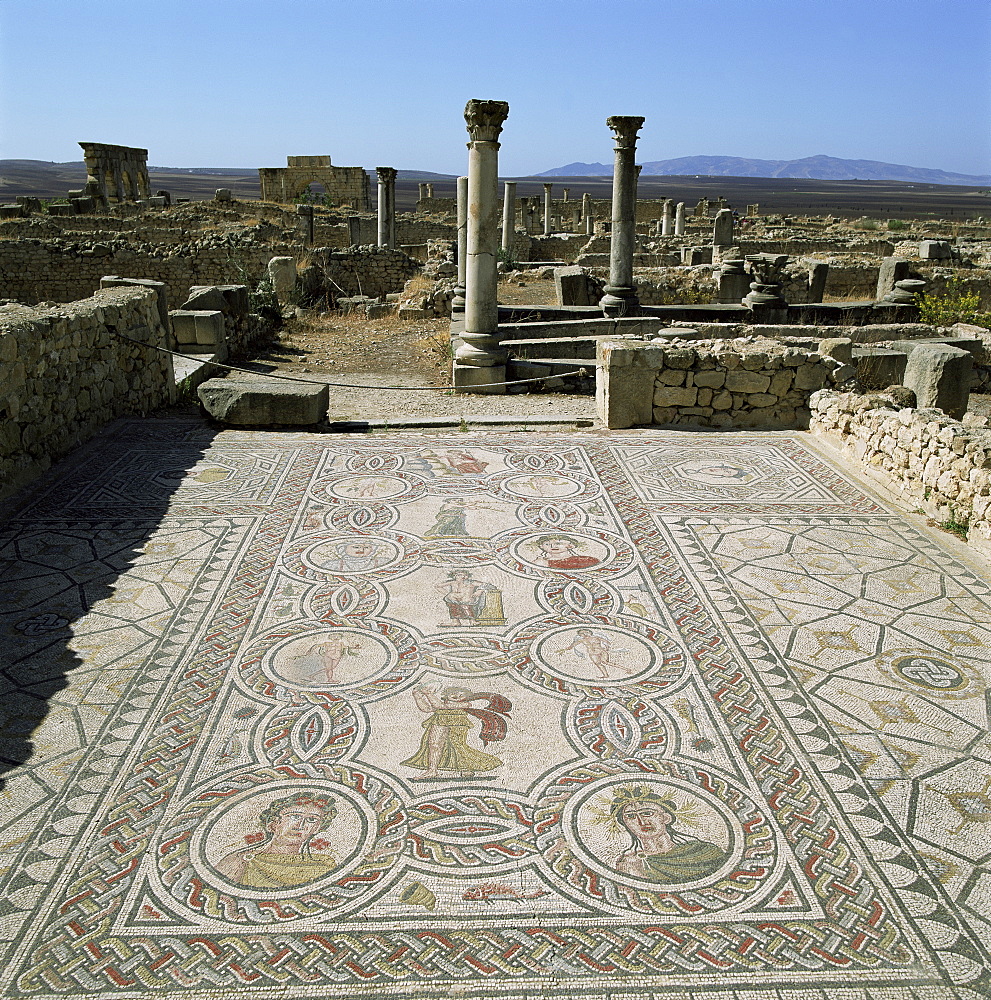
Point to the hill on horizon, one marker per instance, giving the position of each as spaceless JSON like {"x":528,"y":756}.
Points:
{"x":819,"y":167}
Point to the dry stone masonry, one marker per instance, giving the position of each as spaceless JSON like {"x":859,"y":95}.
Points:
{"x":66,"y":374}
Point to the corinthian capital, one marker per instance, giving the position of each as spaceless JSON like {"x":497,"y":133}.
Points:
{"x":484,"y":119}
{"x":625,"y":128}
{"x":385,"y":175}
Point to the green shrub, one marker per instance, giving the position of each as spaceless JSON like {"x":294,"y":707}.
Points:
{"x":894,"y":225}
{"x":954,"y":305}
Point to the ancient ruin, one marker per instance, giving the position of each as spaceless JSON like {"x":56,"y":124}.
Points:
{"x":632,"y":657}
{"x":341,"y":185}
{"x":115,"y":174}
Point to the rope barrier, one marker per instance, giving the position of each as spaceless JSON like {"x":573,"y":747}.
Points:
{"x":339,"y":385}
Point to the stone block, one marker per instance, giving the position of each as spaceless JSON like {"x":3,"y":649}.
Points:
{"x":264,"y":402}
{"x":840,"y":348}
{"x":710,"y":379}
{"x":282,"y":274}
{"x":379,"y":310}
{"x":623,"y":390}
{"x":940,"y":377}
{"x":571,"y":287}
{"x":741,"y":380}
{"x":810,"y":377}
{"x":223,"y":194}
{"x":817,"y":282}
{"x":672,"y":395}
{"x":414,"y":312}
{"x":935,"y":250}
{"x":878,"y":367}
{"x":209,"y":327}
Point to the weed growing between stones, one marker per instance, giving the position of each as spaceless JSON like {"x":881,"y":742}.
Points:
{"x":955,"y":305}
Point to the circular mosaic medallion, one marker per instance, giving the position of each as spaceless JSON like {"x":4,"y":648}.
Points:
{"x":929,"y":673}
{"x":320,"y":661}
{"x":668,"y":840}
{"x":263,"y":848}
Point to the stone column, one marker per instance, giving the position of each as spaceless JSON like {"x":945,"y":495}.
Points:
{"x":508,"y":217}
{"x":620,"y":298}
{"x":576,"y":219}
{"x":480,"y":361}
{"x":430,"y":190}
{"x":547,"y":209}
{"x":679,"y":219}
{"x":567,"y":192}
{"x":667,"y":219}
{"x":423,"y":191}
{"x":387,"y":205}
{"x":589,"y":224}
{"x":586,"y":205}
{"x":458,"y":302}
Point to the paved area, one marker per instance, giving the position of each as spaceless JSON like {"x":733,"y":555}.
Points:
{"x":488,"y":715}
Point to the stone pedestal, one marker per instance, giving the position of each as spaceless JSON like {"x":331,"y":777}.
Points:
{"x":508,"y":217}
{"x":480,"y":361}
{"x":548,"y":203}
{"x":458,"y":302}
{"x":620,"y":297}
{"x":733,"y":281}
{"x":679,"y":219}
{"x":387,"y":206}
{"x":892,"y":269}
{"x":905,"y":292}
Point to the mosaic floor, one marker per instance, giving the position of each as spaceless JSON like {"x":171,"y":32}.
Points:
{"x":515,"y":716}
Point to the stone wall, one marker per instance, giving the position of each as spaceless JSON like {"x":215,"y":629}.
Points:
{"x":66,"y":375}
{"x":748,"y":382}
{"x":923,"y":456}
{"x":63,"y":271}
{"x":364,"y":270}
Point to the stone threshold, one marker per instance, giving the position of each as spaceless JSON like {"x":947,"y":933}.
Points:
{"x":540,"y":422}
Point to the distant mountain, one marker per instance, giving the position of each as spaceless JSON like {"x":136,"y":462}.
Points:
{"x":818,"y":167}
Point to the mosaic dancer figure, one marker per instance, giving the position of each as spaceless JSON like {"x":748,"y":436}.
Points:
{"x":322,"y":659}
{"x":444,"y":744}
{"x":280,"y":852}
{"x":598,"y":649}
{"x":451,"y":521}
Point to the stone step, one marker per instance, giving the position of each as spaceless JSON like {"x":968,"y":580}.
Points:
{"x":581,"y":348}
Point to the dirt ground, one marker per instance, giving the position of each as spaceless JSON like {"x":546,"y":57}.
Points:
{"x":393,"y":369}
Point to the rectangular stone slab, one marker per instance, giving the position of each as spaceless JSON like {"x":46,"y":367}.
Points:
{"x":264,"y":402}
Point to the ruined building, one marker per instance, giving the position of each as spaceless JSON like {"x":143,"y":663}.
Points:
{"x":342,"y":185}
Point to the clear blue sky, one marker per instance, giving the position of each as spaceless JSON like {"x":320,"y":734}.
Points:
{"x":244,"y":83}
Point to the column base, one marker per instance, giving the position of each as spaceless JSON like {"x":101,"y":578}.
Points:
{"x":619,"y":302}
{"x":475,"y":379}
